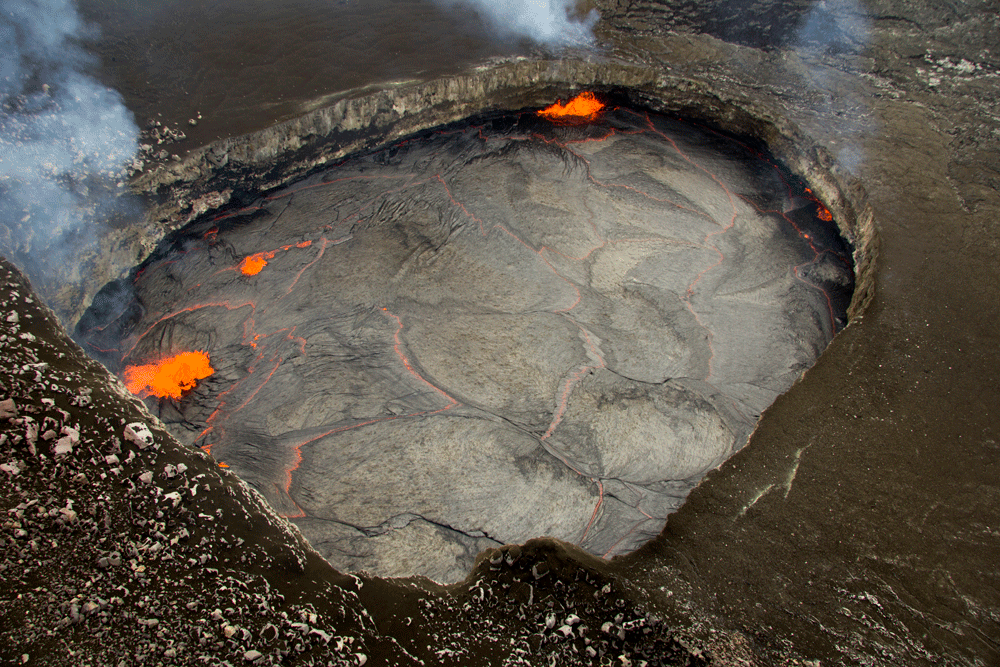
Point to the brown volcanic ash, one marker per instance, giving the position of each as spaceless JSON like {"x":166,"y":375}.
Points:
{"x":492,"y":332}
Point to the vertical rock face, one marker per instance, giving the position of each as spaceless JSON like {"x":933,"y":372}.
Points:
{"x":495,"y":331}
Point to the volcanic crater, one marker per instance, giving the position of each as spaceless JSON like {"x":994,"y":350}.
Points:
{"x":509,"y":327}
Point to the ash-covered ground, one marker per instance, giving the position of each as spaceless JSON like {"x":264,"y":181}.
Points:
{"x":494,"y":331}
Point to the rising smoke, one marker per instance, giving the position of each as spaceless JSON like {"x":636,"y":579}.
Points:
{"x":838,"y":27}
{"x":550,"y":22}
{"x":65,"y":141}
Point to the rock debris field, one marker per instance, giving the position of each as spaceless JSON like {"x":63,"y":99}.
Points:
{"x":503,"y":329}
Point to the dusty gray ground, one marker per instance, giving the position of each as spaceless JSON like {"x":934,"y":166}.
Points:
{"x":496,"y":332}
{"x":859,"y":524}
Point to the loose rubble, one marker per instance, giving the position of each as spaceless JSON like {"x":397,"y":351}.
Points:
{"x":155,"y":140}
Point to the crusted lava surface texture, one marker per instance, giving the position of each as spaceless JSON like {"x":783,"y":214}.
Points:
{"x":501,"y":329}
{"x":121,"y":546}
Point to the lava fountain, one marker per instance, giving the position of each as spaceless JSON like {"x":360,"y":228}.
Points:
{"x":584,"y":108}
{"x":526,"y":324}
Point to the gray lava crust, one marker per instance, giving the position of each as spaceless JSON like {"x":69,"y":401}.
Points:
{"x":494,"y":331}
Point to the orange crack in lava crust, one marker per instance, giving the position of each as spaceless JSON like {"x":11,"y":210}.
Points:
{"x":584,"y":108}
{"x":168,"y":377}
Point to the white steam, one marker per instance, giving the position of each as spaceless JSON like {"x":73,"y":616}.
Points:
{"x":65,"y":140}
{"x":552,"y":22}
{"x":839,"y":26}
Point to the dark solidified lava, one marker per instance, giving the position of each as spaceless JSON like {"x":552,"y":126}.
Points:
{"x":499,"y":330}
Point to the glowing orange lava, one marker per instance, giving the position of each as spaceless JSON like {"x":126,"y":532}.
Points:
{"x":254,"y":264}
{"x":822,"y":212}
{"x":168,"y":377}
{"x":584,"y":108}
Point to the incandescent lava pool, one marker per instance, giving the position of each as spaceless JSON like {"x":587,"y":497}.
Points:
{"x":512,"y":327}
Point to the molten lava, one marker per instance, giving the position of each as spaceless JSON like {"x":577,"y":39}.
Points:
{"x":584,"y":108}
{"x":254,"y":264}
{"x":822,"y":212}
{"x":168,"y":377}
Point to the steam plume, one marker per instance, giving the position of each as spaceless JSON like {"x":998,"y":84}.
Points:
{"x":65,"y":140}
{"x":837,"y":27}
{"x":552,"y":22}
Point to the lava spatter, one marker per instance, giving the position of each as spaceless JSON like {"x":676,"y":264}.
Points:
{"x":584,"y":108}
{"x":492,"y":314}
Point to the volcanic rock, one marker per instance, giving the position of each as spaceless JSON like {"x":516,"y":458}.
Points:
{"x":857,"y":526}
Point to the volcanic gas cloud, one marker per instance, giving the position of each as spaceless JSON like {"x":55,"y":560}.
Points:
{"x":522,"y":325}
